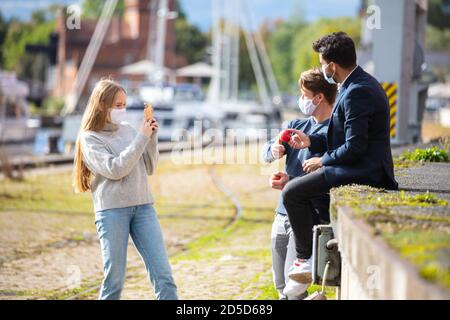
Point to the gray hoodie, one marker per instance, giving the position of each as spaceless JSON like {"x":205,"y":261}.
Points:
{"x":120,"y":159}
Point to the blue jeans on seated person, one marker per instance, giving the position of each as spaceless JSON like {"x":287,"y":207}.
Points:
{"x":141,"y":222}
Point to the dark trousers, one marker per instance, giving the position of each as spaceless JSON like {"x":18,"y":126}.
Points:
{"x":297,"y":196}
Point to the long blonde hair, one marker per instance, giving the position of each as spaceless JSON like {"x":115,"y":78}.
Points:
{"x":95,"y":118}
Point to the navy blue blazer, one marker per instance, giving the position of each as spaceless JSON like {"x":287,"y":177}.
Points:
{"x":357,"y":145}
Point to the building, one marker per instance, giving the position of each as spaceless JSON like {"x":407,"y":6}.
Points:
{"x":125,"y":42}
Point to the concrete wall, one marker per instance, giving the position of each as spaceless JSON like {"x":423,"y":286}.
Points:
{"x":372,"y":270}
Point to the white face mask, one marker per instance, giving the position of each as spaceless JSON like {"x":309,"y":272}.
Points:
{"x":118,"y":115}
{"x":329,"y":79}
{"x":307,"y":107}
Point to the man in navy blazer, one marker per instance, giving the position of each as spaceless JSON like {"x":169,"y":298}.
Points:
{"x":356,"y":146}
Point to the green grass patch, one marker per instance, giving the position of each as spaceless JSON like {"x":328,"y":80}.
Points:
{"x":356,"y":195}
{"x":46,"y":192}
{"x":432,"y":154}
{"x":330,"y":292}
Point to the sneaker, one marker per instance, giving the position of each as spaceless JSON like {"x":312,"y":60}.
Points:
{"x":301,"y":271}
{"x":281,"y":296}
{"x":295,"y":289}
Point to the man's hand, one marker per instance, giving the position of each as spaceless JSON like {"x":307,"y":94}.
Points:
{"x":300,"y":140}
{"x":279,"y":180}
{"x":278,"y":150}
{"x":312,"y":165}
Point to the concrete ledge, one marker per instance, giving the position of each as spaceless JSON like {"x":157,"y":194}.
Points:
{"x":371,"y":269}
{"x":372,"y":226}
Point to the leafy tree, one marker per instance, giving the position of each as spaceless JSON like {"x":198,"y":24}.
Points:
{"x":189,"y":41}
{"x":93,"y":8}
{"x":438,"y":29}
{"x":439,"y":13}
{"x":3,"y":31}
{"x":437,"y":39}
{"x":18,"y":35}
{"x":303,"y":56}
{"x":280,"y":43}
{"x":180,"y":10}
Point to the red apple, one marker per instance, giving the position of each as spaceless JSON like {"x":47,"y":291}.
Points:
{"x":286,"y":135}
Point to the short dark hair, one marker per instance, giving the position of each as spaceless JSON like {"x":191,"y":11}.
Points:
{"x":314,"y":81}
{"x":337,"y":47}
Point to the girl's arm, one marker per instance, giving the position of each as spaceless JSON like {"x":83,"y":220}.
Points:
{"x":151,"y":154}
{"x":100,"y":160}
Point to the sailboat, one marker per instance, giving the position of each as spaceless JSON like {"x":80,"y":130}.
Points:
{"x":249,"y":116}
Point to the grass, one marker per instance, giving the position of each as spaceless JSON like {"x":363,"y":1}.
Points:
{"x":356,"y":195}
{"x":46,"y":192}
{"x":432,"y":154}
{"x":418,"y":157}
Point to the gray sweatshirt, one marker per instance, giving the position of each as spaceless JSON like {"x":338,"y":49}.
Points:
{"x":120,"y":159}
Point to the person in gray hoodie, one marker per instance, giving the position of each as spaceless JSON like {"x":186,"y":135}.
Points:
{"x":113,"y":161}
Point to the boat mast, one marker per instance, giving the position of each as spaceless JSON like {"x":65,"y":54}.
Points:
{"x":89,"y":57}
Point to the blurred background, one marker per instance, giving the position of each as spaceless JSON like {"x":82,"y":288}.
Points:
{"x":227,"y":64}
{"x":203,"y":64}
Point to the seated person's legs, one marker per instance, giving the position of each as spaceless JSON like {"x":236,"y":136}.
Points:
{"x":297,"y":195}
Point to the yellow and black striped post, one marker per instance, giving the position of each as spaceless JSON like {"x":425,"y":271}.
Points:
{"x":391,"y":92}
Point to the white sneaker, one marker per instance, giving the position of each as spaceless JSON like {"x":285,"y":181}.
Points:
{"x":295,"y":289}
{"x":301,"y":271}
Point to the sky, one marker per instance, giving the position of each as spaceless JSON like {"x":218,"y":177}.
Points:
{"x":199,"y":11}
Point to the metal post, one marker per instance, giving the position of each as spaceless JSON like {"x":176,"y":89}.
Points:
{"x":214,"y":88}
{"x":161,"y":40}
{"x":89,"y":57}
{"x":256,"y":64}
{"x":234,"y":75}
{"x":396,"y":47}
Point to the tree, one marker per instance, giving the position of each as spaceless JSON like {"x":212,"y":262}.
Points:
{"x":92,"y":9}
{"x":437,"y":39}
{"x":3,"y":31}
{"x":180,"y":10}
{"x":280,"y":43}
{"x":439,"y":13}
{"x":189,"y":41}
{"x":18,"y":35}
{"x":303,"y":56}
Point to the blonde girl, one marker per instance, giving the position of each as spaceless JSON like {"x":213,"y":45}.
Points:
{"x":112,"y":161}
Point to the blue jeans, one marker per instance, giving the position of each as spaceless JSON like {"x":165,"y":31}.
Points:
{"x":114,"y":227}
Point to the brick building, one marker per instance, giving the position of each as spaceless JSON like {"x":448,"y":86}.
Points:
{"x":125,"y":43}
